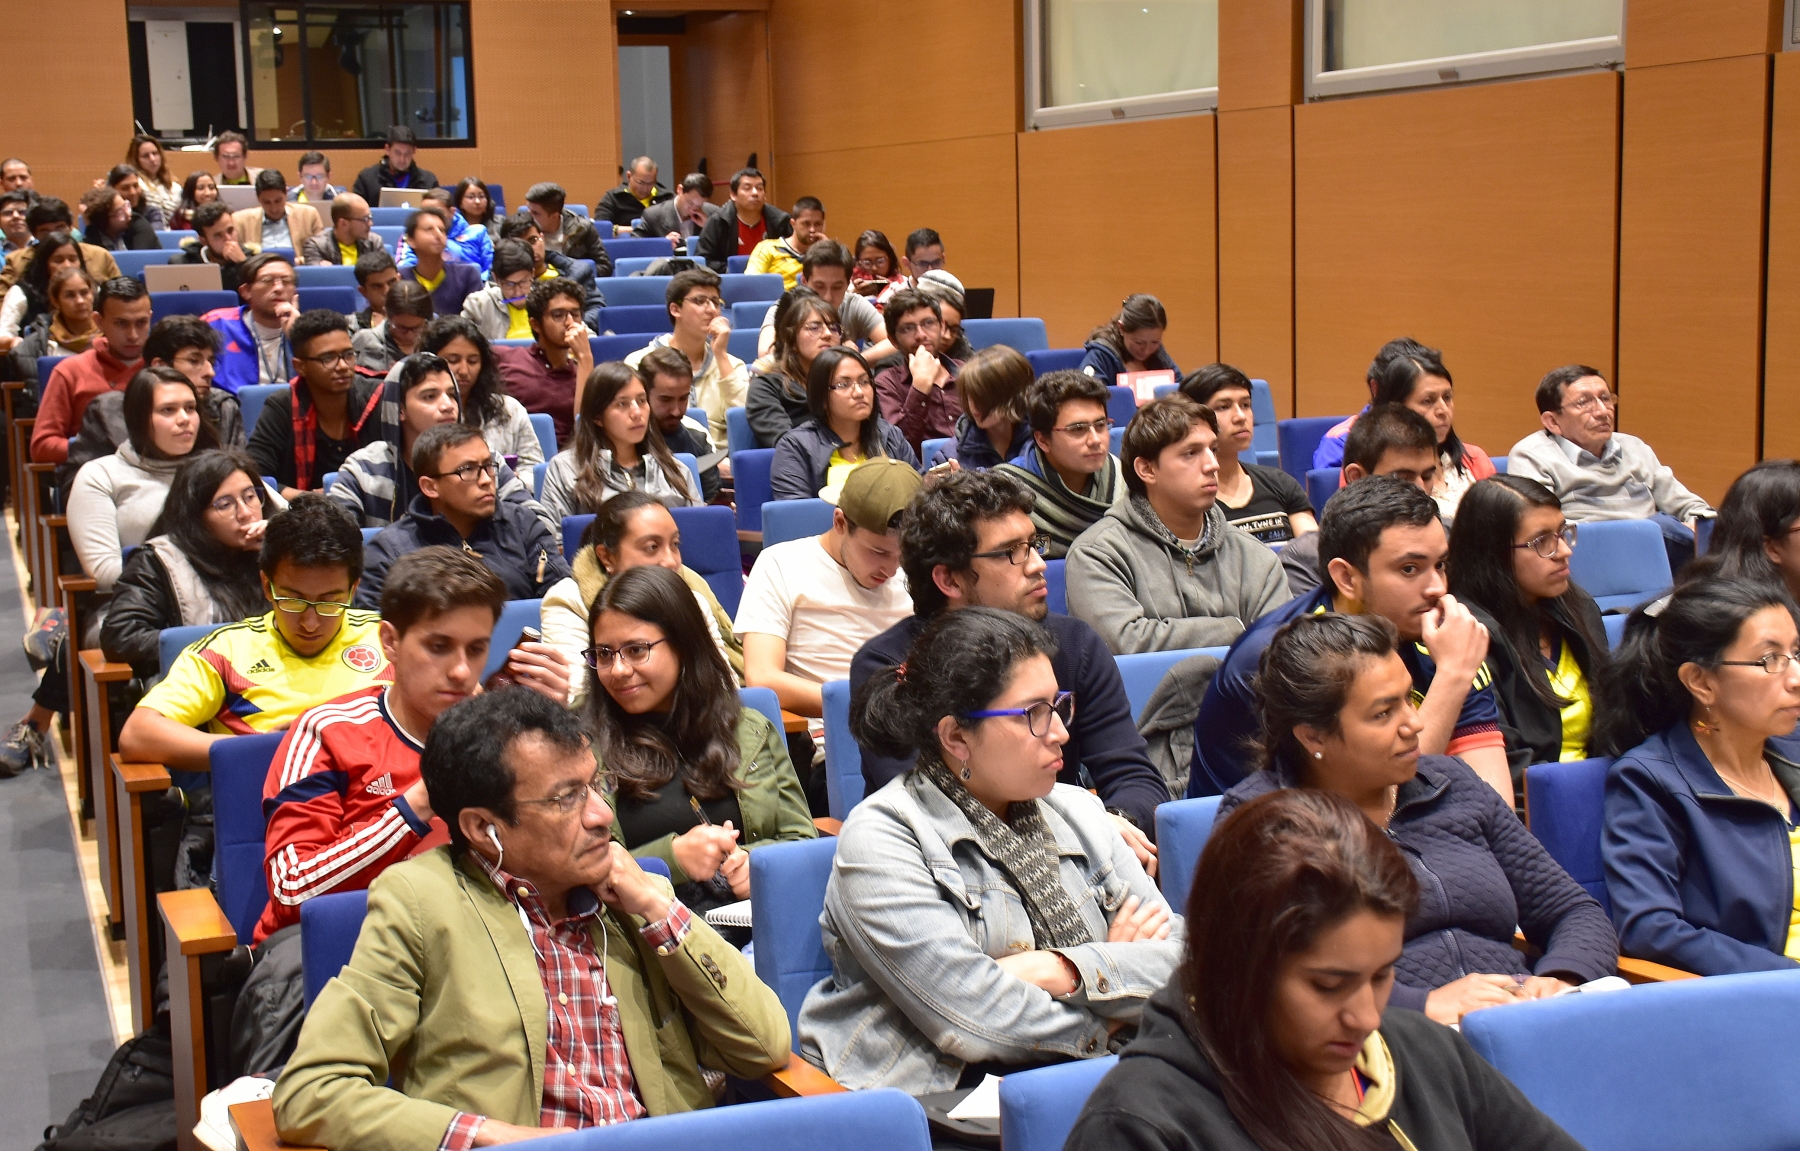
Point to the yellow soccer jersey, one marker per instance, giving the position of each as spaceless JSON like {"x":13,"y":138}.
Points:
{"x":244,"y":678}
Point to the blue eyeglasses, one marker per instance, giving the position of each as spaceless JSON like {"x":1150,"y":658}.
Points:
{"x":1037,"y":716}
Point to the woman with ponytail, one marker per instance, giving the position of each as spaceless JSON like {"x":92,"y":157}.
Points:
{"x":1278,"y":1033}
{"x":1131,"y":341}
{"x":980,"y":916}
{"x":1702,"y":834}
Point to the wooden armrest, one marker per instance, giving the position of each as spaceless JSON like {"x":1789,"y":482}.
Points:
{"x":36,"y":468}
{"x":825,"y":825}
{"x":791,"y":721}
{"x":55,"y":521}
{"x":255,"y":1123}
{"x":1644,"y":971}
{"x":749,"y":537}
{"x":24,"y":423}
{"x":98,"y":666}
{"x":13,"y":386}
{"x":75,"y":584}
{"x":798,"y":1078}
{"x":141,"y":776}
{"x":196,"y":920}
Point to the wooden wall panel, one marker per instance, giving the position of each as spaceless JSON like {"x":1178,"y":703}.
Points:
{"x":966,"y":188}
{"x":1259,"y":53}
{"x":728,"y":98}
{"x":1075,"y":277}
{"x":1256,"y":247}
{"x":1480,"y":220}
{"x":1690,"y":264}
{"x":1679,"y":31}
{"x":89,"y":77}
{"x":1781,"y":309}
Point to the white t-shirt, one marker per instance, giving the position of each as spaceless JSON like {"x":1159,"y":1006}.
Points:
{"x":798,"y":592}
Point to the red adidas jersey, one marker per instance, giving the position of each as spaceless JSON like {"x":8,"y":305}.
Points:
{"x":336,"y":818}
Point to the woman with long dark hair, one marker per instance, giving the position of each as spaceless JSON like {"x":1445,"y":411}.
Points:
{"x":199,"y":188}
{"x":199,"y":565}
{"x":617,"y":449}
{"x":1702,"y":833}
{"x":1509,"y":565}
{"x":1337,"y":715}
{"x":145,"y":155}
{"x":504,"y":422}
{"x":28,"y":299}
{"x":844,"y":430}
{"x":633,"y":529}
{"x":1131,"y":341}
{"x":700,"y":780}
{"x":107,"y":221}
{"x":877,"y":274}
{"x":476,"y":206}
{"x":1278,"y":1034}
{"x":1755,"y":536}
{"x":128,"y":182}
{"x":775,"y":401}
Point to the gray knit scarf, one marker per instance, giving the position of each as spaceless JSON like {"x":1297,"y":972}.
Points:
{"x":1026,"y":851}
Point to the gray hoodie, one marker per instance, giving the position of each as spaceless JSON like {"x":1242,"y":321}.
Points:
{"x":1134,"y":583}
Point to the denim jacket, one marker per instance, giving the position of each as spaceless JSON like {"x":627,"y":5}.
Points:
{"x":915,"y":915}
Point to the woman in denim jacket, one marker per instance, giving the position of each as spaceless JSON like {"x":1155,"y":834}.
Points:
{"x":980,"y":916}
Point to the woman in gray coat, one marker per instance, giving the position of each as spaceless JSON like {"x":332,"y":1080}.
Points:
{"x":846,"y":429}
{"x":980,"y":916}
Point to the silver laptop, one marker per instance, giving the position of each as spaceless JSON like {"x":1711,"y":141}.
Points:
{"x":182,"y":278}
{"x":402,"y":198}
{"x":237,"y":197}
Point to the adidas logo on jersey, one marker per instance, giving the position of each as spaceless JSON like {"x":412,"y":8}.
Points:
{"x":384,"y":785}
{"x":260,"y":666}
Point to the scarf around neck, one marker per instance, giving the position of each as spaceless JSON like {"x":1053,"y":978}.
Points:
{"x":1064,"y":514}
{"x":1026,"y":851}
{"x":73,"y":341}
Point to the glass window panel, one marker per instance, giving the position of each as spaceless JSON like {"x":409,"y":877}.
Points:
{"x":1369,"y":33}
{"x":1113,"y":49}
{"x":276,"y":84}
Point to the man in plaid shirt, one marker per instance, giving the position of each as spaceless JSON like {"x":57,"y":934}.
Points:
{"x":529,"y":976}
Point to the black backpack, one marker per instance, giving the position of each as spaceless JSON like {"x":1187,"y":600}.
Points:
{"x":132,"y":1107}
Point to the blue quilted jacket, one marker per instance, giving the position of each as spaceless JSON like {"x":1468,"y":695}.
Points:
{"x":1480,"y":874}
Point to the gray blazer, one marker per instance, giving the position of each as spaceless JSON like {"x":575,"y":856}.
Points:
{"x":660,"y":220}
{"x":916,"y":914}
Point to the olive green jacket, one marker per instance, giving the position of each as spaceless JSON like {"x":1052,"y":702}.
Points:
{"x":443,"y":998}
{"x":773,"y":802}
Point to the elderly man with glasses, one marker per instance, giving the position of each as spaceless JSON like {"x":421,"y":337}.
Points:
{"x":458,"y":506}
{"x":258,"y":675}
{"x":1599,"y":472}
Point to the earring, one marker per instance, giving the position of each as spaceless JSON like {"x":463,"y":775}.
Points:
{"x":965,"y":772}
{"x":1318,"y":755}
{"x":1706,"y":726}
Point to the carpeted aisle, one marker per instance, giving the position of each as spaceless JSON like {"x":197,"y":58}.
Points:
{"x":55,"y":1036}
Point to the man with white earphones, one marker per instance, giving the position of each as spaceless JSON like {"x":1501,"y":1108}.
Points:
{"x":527,"y":978}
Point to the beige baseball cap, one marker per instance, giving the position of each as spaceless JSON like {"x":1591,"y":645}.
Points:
{"x":876,"y":490}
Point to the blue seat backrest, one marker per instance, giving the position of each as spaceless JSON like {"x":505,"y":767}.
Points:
{"x":196,"y":303}
{"x":687,"y":460}
{"x":1117,"y":439}
{"x":742,"y":344}
{"x":240,"y":768}
{"x":699,"y":416}
{"x":1056,"y":584}
{"x":172,"y":641}
{"x":929,"y":449}
{"x":1621,"y":563}
{"x":328,"y":481}
{"x":627,"y":247}
{"x":1321,"y":485}
{"x":785,"y":520}
{"x":1297,"y":438}
{"x":325,"y":276}
{"x":1039,"y":1108}
{"x":709,"y":545}
{"x":329,"y":925}
{"x":883,"y":1117}
{"x":1500,"y":466}
{"x":515,"y":616}
{"x":750,"y":473}
{"x":497,"y":193}
{"x":251,"y":399}
{"x":843,"y":758}
{"x":391,"y":235}
{"x":749,"y":314}
{"x":735,"y":265}
{"x":132,"y":263}
{"x":1021,"y":333}
{"x":1182,"y":828}
{"x":1565,"y":807}
{"x":625,"y":290}
{"x":1615,"y":630}
{"x":1262,"y":409}
{"x":630,"y":265}
{"x":652,"y":318}
{"x":172,"y":239}
{"x":545,"y":428}
{"x":572,"y":528}
{"x":738,"y":288}
{"x":1143,"y":672}
{"x":787,"y":895}
{"x":369,"y":534}
{"x":579,"y":209}
{"x":1055,"y":359}
{"x":609,"y":348}
{"x":392,"y":217}
{"x":46,"y":365}
{"x":1163,"y":391}
{"x":1121,"y":405}
{"x":738,"y":436}
{"x":344,"y":301}
{"x":765,"y":700}
{"x":1670,"y":1065}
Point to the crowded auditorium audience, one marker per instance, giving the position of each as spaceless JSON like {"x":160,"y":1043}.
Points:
{"x":1021,"y":626}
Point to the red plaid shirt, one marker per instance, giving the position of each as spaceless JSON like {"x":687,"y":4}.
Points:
{"x":587,"y":1075}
